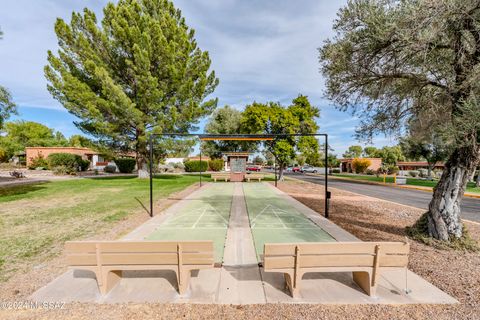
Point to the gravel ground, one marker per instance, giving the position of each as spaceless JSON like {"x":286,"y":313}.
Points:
{"x":457,"y":273}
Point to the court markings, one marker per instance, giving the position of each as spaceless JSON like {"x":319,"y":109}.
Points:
{"x":205,"y":217}
{"x":273,"y":217}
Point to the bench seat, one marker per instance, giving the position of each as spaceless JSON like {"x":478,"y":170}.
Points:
{"x":107,"y":259}
{"x":364,"y":259}
{"x":220,"y":176}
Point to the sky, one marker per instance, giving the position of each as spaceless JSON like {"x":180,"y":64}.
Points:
{"x":260,"y":50}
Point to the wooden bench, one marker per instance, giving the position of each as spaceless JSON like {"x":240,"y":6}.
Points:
{"x":220,"y":176}
{"x":254,"y":176}
{"x":364,"y":259}
{"x":109,"y":258}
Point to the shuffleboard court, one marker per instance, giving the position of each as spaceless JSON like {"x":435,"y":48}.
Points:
{"x":274,"y":220}
{"x":204,"y":217}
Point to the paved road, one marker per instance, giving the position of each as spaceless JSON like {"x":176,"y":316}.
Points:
{"x":415,"y":198}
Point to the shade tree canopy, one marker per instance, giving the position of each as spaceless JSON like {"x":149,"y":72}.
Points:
{"x":7,"y":106}
{"x":273,"y":118}
{"x":136,"y":72}
{"x":392,"y":61}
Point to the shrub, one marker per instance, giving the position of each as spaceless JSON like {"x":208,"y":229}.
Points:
{"x":38,"y":162}
{"x":414,"y":173}
{"x":392,"y":169}
{"x":215,"y":164}
{"x":335,"y":170}
{"x":125,"y":165}
{"x":179,"y":165}
{"x":359,"y":165}
{"x":196,"y":166}
{"x":3,"y":155}
{"x":62,"y":170}
{"x":423,"y":172}
{"x":84,"y":164}
{"x":110,"y":169}
{"x":370,"y":172}
{"x":70,"y":161}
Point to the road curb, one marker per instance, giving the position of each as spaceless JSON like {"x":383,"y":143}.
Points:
{"x":425,"y":189}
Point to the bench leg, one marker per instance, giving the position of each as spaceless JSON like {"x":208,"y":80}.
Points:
{"x":110,"y":280}
{"x":183,"y":279}
{"x":364,"y":280}
{"x":293,"y":288}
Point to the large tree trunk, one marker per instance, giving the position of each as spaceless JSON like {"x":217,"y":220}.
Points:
{"x":142,"y":168}
{"x":444,"y":221}
{"x":478,"y":179}
{"x":281,"y":170}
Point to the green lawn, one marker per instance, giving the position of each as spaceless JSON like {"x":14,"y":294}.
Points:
{"x":35,"y":220}
{"x":410,"y":181}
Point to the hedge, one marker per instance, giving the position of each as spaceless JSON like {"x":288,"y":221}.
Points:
{"x":196,"y":166}
{"x":125,"y":165}
{"x":68,"y":160}
{"x":215,"y":164}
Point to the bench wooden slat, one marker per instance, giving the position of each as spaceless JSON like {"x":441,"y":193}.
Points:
{"x":283,"y":262}
{"x":136,"y":246}
{"x":335,"y":248}
{"x":139,"y":259}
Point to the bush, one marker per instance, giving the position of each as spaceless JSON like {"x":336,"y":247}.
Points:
{"x":63,"y":170}
{"x":196,"y":166}
{"x":360,"y":165}
{"x":110,"y":169}
{"x":179,"y":165}
{"x":370,"y":172}
{"x":125,"y":165}
{"x":3,"y":155}
{"x":335,"y":170}
{"x":215,"y":165}
{"x":423,"y":172}
{"x":414,"y":173}
{"x":392,"y":169}
{"x":84,"y":164}
{"x":70,"y":161}
{"x":38,"y":162}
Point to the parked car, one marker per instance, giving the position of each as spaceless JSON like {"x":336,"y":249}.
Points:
{"x":308,"y":169}
{"x":253,"y":168}
{"x":296,"y":169}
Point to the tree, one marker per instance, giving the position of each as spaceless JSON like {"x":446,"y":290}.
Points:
{"x":433,"y":149}
{"x":7,"y":107}
{"x":258,"y":160}
{"x":392,"y":61}
{"x":353,"y":152}
{"x":80,"y":141}
{"x":390,"y":155}
{"x":370,"y":152}
{"x":272,"y":118}
{"x":137,"y":73}
{"x":225,"y":120}
{"x":20,"y":134}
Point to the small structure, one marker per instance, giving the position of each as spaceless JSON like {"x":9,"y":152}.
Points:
{"x":35,"y":152}
{"x":346,"y":164}
{"x":236,"y":163}
{"x":415,"y":165}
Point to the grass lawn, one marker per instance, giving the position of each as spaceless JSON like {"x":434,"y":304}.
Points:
{"x":410,"y":181}
{"x":35,"y":220}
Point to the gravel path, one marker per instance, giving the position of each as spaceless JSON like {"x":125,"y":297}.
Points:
{"x":457,"y":273}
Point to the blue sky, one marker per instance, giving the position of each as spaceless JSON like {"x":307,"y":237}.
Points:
{"x":260,"y":51}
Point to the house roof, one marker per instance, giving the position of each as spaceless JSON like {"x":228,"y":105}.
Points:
{"x":86,"y":150}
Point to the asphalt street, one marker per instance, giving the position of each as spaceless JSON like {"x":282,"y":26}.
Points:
{"x":414,"y":198}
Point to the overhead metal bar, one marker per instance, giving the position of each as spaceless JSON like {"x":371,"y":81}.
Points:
{"x":240,"y":137}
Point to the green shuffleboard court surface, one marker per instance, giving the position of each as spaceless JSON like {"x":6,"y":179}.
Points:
{"x":274,"y":220}
{"x":203,"y":217}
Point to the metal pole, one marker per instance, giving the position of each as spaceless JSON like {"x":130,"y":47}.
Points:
{"x":275,"y":168}
{"x":327,"y":193}
{"x":151,"y":177}
{"x":200,"y":163}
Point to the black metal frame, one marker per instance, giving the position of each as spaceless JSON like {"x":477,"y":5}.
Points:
{"x":273,"y":137}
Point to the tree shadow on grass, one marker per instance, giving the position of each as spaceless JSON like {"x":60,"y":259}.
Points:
{"x":23,"y":189}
